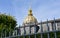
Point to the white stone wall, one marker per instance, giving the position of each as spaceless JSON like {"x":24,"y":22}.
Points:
{"x":58,"y":26}
{"x":45,"y":29}
{"x":27,"y":30}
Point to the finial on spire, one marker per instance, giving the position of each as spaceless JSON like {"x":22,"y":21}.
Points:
{"x":30,"y":12}
{"x":30,"y":9}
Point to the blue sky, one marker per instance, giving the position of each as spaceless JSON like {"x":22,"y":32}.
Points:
{"x":42,"y":9}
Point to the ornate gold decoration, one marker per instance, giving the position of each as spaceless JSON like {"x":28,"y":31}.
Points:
{"x":30,"y":18}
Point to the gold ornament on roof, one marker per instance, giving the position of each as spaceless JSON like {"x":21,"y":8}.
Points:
{"x":30,"y":13}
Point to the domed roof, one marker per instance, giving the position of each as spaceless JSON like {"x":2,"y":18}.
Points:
{"x":30,"y":18}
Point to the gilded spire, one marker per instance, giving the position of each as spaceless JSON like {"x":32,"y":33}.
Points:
{"x":30,"y":12}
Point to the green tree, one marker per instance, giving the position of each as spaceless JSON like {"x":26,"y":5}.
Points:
{"x":7,"y":23}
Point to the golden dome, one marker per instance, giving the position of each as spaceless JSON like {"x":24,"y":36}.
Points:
{"x":30,"y":18}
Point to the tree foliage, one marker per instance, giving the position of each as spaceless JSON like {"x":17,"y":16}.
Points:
{"x":7,"y":23}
